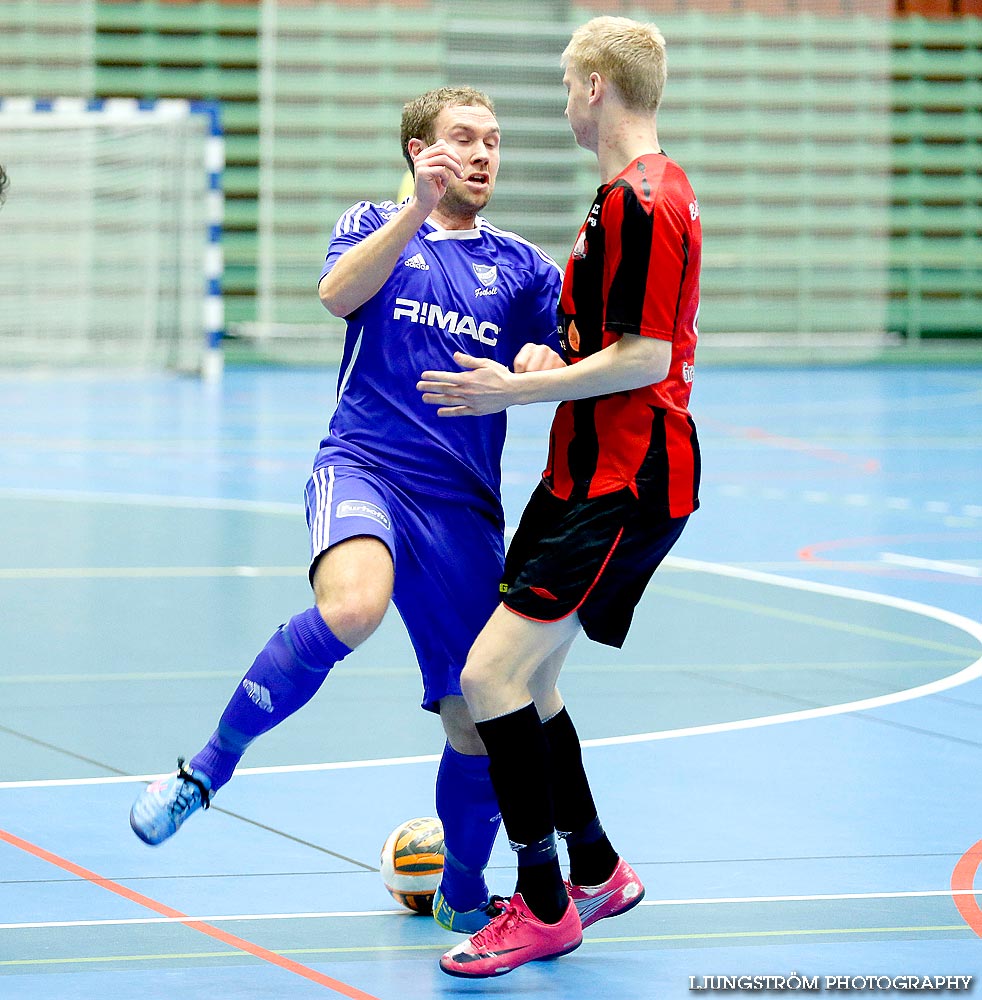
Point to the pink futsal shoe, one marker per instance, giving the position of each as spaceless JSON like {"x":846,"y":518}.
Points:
{"x":513,"y":938}
{"x":620,"y":893}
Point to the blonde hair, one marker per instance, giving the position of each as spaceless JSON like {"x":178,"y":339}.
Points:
{"x":419,"y":115}
{"x":629,"y":54}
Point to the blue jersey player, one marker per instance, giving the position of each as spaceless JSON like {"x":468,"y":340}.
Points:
{"x":401,"y":505}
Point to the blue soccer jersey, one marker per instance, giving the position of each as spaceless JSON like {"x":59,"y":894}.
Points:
{"x":482,"y":291}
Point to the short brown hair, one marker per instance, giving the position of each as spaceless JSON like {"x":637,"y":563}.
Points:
{"x":628,"y":53}
{"x":419,"y":115}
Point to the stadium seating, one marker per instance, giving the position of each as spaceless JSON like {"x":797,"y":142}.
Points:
{"x":834,"y":157}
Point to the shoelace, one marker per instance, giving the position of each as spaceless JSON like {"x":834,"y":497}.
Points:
{"x":488,"y":938}
{"x":496,"y":905}
{"x":183,"y":801}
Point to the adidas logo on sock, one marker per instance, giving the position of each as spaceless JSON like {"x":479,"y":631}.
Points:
{"x":258,"y":694}
{"x":418,"y":262}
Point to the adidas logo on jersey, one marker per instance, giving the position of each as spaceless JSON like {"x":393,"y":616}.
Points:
{"x":417,"y":261}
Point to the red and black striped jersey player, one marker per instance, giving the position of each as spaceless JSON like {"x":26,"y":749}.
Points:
{"x":621,"y":480}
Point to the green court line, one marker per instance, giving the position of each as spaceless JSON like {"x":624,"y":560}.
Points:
{"x":798,"y":618}
{"x":633,"y":939}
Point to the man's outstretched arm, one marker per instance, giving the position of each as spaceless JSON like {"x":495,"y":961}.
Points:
{"x":488,"y":387}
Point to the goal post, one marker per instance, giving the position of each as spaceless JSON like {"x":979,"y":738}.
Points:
{"x":110,"y":237}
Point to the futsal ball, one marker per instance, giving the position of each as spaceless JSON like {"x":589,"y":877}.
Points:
{"x":412,"y":863}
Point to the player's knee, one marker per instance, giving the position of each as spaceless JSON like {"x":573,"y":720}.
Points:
{"x":352,"y":617}
{"x":546,"y":696}
{"x":464,"y":738}
{"x":490,"y":688}
{"x":476,"y":683}
{"x":460,"y":728}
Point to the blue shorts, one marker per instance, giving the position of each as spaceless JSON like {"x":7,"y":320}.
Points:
{"x":448,"y":556}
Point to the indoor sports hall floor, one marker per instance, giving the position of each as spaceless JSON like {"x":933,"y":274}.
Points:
{"x":788,"y":749}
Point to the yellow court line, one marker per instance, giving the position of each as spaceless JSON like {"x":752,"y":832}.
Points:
{"x":936,"y":663}
{"x":972,"y":672}
{"x":198,"y":572}
{"x":722,"y":935}
{"x":235,"y":673}
{"x":374,"y":949}
{"x":90,"y":959}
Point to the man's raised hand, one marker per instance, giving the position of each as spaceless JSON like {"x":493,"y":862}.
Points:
{"x":433,"y":167}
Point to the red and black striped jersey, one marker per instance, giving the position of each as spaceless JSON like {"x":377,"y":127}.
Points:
{"x":634,"y":269}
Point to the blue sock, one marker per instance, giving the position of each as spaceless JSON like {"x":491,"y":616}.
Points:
{"x":468,"y":809}
{"x":283,"y":678}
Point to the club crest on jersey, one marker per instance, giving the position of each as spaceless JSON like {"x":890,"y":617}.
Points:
{"x":579,"y":248}
{"x":362,"y":508}
{"x":487,"y":273}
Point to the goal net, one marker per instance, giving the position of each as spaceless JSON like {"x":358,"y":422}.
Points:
{"x":110,"y":248}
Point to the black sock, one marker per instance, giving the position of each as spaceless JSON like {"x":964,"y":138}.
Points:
{"x":592,"y":859}
{"x":518,"y":755}
{"x":541,"y":886}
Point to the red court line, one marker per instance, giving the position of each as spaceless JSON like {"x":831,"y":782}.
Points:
{"x":166,"y":911}
{"x":813,"y":553}
{"x":963,"y":880}
{"x":867,"y":466}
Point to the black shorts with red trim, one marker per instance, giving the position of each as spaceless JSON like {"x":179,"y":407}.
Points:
{"x":594,"y":557}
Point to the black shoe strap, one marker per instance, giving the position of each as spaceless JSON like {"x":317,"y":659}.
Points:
{"x":183,"y":772}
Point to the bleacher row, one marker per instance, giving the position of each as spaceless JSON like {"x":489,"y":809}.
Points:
{"x":838,"y":160}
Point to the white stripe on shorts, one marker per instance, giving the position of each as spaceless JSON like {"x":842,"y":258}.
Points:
{"x":320,"y":531}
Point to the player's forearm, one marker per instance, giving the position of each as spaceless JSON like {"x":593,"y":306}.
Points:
{"x":361,"y":271}
{"x":630,"y":363}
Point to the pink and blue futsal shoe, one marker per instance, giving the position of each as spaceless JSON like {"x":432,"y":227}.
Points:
{"x":514,"y":937}
{"x":620,"y":893}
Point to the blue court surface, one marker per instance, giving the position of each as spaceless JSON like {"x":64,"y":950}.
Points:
{"x":788,"y":749}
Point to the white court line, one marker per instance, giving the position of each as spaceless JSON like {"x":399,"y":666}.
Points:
{"x":145,"y":572}
{"x":970,"y":673}
{"x":129,"y":779}
{"x":936,"y":565}
{"x":347,"y":914}
{"x":151,"y":500}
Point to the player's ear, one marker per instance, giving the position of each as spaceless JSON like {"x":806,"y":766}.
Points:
{"x":415,"y":147}
{"x":597,"y":84}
